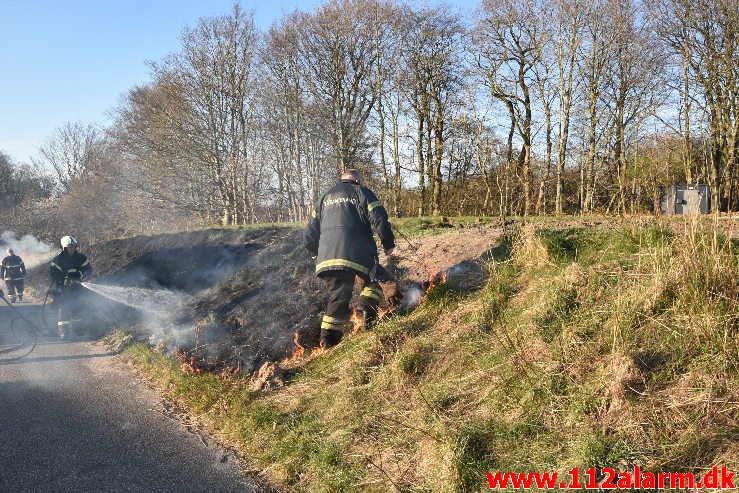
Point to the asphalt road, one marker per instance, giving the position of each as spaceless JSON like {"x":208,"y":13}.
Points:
{"x":74,"y":418}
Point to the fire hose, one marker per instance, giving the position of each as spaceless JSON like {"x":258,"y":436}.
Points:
{"x":414,"y":248}
{"x":34,"y":331}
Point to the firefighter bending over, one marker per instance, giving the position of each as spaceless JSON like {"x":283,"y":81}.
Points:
{"x":13,"y":271}
{"x":67,"y":271}
{"x":339,"y":233}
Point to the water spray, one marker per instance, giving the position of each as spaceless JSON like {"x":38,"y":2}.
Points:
{"x":142,"y":299}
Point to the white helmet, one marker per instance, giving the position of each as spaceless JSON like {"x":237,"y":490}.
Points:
{"x":68,"y":241}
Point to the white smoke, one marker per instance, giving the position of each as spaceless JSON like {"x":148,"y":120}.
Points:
{"x":158,"y":308}
{"x":411,"y":298}
{"x":29,"y":248}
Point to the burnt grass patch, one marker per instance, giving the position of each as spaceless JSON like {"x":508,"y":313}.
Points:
{"x":188,"y":269}
{"x":252,"y":290}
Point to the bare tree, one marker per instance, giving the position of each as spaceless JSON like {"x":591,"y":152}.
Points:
{"x":433,"y":56}
{"x":70,"y":151}
{"x":570,"y":19}
{"x":339,"y":56}
{"x":391,"y":27}
{"x":285,"y":115}
{"x":635,"y":88}
{"x":214,"y":75}
{"x":507,"y":36}
{"x":594,"y":70}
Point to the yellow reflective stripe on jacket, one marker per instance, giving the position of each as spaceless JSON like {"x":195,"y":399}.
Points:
{"x":13,"y":279}
{"x":57,"y":266}
{"x":64,"y":322}
{"x":72,"y":270}
{"x":329,"y":318}
{"x":86,"y":262}
{"x":344,"y":263}
{"x":374,"y":205}
{"x":12,"y":266}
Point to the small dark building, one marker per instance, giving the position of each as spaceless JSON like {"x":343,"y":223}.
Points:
{"x":685,"y":199}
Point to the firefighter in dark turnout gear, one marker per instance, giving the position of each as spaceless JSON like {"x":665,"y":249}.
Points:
{"x":339,"y":234}
{"x":13,"y":271}
{"x":67,"y":271}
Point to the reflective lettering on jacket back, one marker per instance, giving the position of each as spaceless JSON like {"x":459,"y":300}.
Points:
{"x":339,"y":210}
{"x":332,"y":201}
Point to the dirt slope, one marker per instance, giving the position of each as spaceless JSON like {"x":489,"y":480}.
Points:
{"x":253,"y":288}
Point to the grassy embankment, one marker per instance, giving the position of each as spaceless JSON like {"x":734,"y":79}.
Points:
{"x":584,"y":348}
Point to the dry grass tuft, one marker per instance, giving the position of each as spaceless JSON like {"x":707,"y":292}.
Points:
{"x":624,"y":382}
{"x":528,"y":249}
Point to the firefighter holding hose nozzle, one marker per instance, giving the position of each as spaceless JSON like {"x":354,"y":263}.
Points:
{"x":13,"y":271}
{"x":67,"y":271}
{"x":339,"y":234}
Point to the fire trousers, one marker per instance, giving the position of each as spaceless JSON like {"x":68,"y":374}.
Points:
{"x":15,"y":289}
{"x":340,"y":287}
{"x":71,"y":310}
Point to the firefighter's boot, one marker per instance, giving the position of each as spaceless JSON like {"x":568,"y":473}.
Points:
{"x":332,"y":330}
{"x":369,"y":317}
{"x":63,"y":328}
{"x":330,"y":338}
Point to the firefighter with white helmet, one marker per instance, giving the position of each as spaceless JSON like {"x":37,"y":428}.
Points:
{"x":67,"y":271}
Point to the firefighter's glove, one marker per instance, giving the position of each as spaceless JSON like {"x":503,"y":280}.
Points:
{"x":381,"y":274}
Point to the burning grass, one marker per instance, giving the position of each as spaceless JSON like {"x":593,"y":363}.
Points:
{"x":582,"y":349}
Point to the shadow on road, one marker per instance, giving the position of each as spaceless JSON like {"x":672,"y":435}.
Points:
{"x":67,"y":435}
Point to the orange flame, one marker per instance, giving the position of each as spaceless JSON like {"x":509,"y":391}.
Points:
{"x":436,"y":278}
{"x":188,"y":364}
{"x":229,"y":373}
{"x":319,"y":351}
{"x":385,"y":311}
{"x":356,"y":320}
{"x":297,"y":352}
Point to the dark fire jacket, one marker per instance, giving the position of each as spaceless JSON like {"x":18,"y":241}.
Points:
{"x":75,"y":266}
{"x":12,"y":268}
{"x":340,"y":229}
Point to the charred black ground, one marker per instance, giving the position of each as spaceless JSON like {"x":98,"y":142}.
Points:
{"x":252,"y":289}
